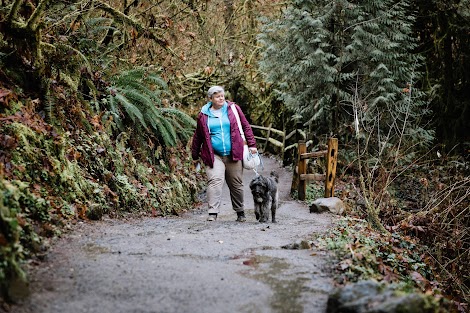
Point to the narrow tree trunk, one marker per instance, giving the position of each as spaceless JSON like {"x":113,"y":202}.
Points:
{"x":230,"y":31}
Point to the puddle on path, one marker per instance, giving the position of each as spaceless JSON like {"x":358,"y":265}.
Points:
{"x":271,"y":271}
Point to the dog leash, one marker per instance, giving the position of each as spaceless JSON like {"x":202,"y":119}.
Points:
{"x":260,"y":164}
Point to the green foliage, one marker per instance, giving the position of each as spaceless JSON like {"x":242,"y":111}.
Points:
{"x":18,"y":238}
{"x":41,"y":159}
{"x":365,"y":254}
{"x":314,"y":191}
{"x":60,"y":177}
{"x":135,"y":100}
{"x":342,"y":63}
{"x":349,"y":69}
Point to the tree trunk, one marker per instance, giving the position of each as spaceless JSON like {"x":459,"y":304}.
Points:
{"x":232,"y":53}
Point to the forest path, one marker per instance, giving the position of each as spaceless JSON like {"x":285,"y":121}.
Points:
{"x":186,"y":264}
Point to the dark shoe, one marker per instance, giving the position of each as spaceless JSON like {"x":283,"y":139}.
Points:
{"x":241,"y":216}
{"x":212,"y":217}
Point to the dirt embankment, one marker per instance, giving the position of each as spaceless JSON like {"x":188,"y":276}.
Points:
{"x":186,"y":264}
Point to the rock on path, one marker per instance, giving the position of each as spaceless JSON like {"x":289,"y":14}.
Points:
{"x":186,"y":264}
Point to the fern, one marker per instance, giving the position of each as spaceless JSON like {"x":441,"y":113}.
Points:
{"x":134,"y":100}
{"x":132,"y":111}
{"x":181,"y":120}
{"x":167,"y":131}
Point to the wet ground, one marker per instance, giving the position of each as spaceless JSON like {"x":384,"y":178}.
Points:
{"x":186,"y":264}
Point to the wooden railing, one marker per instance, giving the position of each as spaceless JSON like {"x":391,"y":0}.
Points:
{"x":282,"y":138}
{"x":268,"y":139}
{"x":301,"y":177}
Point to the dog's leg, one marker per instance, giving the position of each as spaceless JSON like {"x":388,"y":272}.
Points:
{"x":257,"y":211}
{"x":265,"y":210}
{"x":273,"y":212}
{"x":275,"y":206}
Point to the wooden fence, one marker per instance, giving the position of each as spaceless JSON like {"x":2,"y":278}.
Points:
{"x":300,"y":179}
{"x":281,"y":138}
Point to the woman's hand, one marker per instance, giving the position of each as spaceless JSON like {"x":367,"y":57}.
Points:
{"x":253,"y":150}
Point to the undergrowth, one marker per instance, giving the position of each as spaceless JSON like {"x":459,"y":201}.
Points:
{"x":426,"y":242}
{"x":365,"y":254}
{"x":51,"y":177}
{"x":398,"y":260}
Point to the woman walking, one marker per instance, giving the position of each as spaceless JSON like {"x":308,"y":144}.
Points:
{"x":218,"y":143}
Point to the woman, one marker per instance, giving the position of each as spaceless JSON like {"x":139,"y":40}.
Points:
{"x":217,"y":141}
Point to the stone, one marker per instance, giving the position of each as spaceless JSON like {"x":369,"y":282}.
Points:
{"x":333,"y":204}
{"x":373,"y":297}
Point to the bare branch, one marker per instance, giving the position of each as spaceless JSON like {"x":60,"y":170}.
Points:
{"x":31,"y":24}
{"x":129,"y":20}
{"x":14,"y":10}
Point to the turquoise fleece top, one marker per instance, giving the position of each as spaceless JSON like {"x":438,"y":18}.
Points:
{"x":219,"y":129}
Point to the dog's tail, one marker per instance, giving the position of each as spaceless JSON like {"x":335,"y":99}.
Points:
{"x":275,"y":175}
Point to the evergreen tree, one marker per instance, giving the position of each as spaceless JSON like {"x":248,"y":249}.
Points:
{"x":340,"y":62}
{"x":351,"y":63}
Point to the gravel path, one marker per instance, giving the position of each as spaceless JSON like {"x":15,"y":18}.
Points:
{"x":186,"y":264}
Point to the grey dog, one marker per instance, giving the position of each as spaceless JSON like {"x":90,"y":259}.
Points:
{"x":265,"y":196}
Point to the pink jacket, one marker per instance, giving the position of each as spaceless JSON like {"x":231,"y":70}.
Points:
{"x":201,"y":146}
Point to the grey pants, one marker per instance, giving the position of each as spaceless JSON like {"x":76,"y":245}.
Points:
{"x":231,"y":172}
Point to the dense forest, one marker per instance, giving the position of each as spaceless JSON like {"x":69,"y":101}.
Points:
{"x":98,"y":100}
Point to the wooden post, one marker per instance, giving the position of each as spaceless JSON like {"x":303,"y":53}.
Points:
{"x":302,"y":169}
{"x":331,"y":159}
{"x":296,"y":151}
{"x":283,"y":145}
{"x":267,"y":137}
{"x":295,"y":177}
